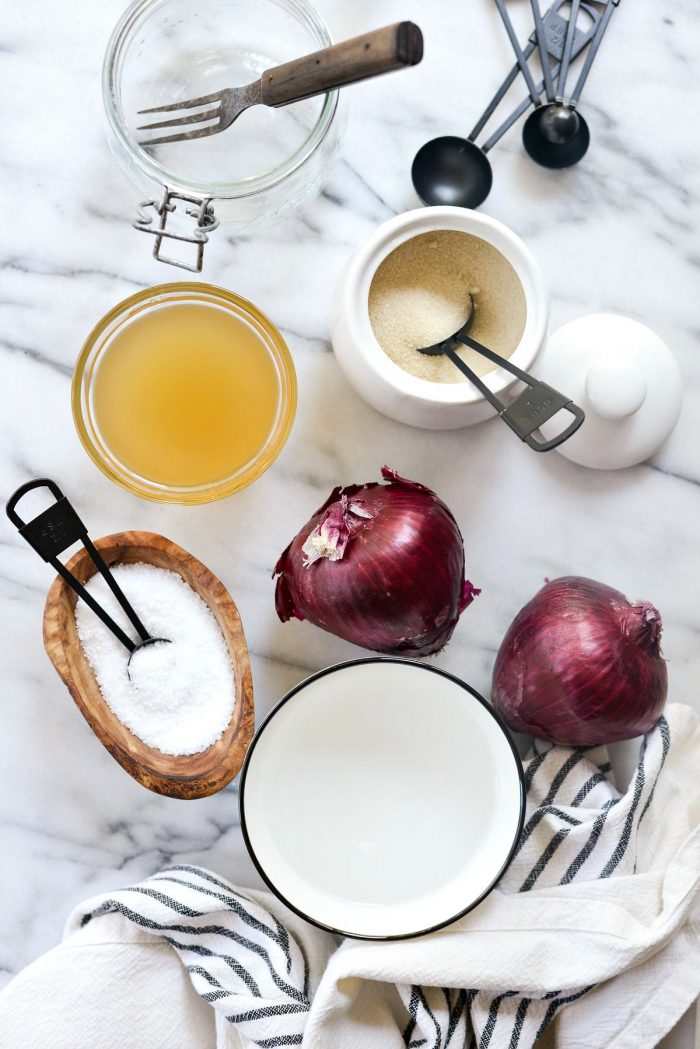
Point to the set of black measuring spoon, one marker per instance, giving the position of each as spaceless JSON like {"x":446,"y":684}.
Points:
{"x":457,"y":171}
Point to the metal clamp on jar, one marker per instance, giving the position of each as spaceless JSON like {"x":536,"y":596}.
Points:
{"x":270,"y":166}
{"x":203,"y":212}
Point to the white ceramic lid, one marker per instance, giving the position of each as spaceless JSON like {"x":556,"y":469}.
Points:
{"x":382,"y":798}
{"x":626,"y":380}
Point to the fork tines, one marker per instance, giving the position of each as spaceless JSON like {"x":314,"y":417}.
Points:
{"x":188,"y":119}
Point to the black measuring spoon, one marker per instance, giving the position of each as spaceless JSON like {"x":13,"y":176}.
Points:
{"x":530,"y":409}
{"x":556,"y":135}
{"x":52,"y":532}
{"x":453,"y":170}
{"x":559,"y":123}
{"x":456,"y":171}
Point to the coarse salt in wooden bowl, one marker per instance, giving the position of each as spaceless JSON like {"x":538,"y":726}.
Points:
{"x":187,"y":776}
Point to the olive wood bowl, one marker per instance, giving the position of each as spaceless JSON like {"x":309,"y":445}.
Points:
{"x":187,"y":776}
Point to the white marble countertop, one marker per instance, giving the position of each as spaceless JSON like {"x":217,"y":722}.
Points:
{"x":617,"y":233}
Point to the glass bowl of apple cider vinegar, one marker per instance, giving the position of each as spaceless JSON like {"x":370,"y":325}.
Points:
{"x":184,"y":393}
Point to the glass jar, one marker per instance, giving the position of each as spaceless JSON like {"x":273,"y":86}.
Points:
{"x":259,"y":171}
{"x":101,"y":339}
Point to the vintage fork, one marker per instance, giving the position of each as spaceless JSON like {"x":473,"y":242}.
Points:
{"x":380,"y":51}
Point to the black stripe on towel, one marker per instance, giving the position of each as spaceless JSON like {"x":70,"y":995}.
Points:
{"x":438,"y":1031}
{"x":205,"y":876}
{"x":266,"y":1012}
{"x":205,"y":974}
{"x":116,"y":905}
{"x":148,"y":923}
{"x":662,"y":725}
{"x":556,"y":1004}
{"x":175,"y":905}
{"x":220,"y":930}
{"x":282,"y":933}
{"x":242,"y":941}
{"x":522,"y":1013}
{"x":214,"y":996}
{"x":596,"y":830}
{"x":209,"y":996}
{"x":490,"y":1024}
{"x":595,"y":779}
{"x":518,"y":1024}
{"x":621,"y":847}
{"x":413,"y":1018}
{"x":233,"y":901}
{"x":554,"y":843}
{"x":282,"y":985}
{"x":533,"y":767}
{"x":281,"y":1039}
{"x":455,"y":1014}
{"x":554,"y":810}
{"x":471,"y":995}
{"x":539,"y":812}
{"x":233,"y":965}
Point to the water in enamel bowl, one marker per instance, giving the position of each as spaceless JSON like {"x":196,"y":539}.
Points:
{"x":381,"y":799}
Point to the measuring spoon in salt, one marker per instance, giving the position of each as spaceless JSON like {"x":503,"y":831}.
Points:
{"x":52,"y":532}
{"x":530,"y":409}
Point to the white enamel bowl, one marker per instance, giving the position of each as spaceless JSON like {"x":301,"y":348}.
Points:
{"x":381,"y":799}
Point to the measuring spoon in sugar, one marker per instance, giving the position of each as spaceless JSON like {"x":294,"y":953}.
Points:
{"x":534,"y":406}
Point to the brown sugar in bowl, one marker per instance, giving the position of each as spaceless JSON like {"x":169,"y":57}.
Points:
{"x":187,"y":776}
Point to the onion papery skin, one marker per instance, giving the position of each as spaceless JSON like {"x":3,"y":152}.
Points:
{"x":398,"y":586}
{"x":581,"y":665}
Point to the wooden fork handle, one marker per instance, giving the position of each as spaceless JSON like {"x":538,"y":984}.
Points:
{"x":380,"y":51}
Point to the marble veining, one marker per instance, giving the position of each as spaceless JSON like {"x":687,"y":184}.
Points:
{"x":617,"y":233}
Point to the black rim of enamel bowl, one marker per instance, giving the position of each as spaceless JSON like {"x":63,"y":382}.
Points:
{"x":290,"y":695}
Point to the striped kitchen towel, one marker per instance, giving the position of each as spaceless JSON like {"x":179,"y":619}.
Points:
{"x":258,"y":972}
{"x":590,"y":940}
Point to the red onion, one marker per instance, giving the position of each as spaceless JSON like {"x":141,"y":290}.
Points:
{"x":380,"y":565}
{"x":580,"y":664}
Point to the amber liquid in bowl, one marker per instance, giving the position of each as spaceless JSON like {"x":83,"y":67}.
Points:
{"x":184,"y":393}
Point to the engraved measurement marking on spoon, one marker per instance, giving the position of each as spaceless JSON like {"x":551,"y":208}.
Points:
{"x":537,"y":408}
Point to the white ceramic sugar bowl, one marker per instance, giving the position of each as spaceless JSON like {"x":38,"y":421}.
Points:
{"x":386,"y":386}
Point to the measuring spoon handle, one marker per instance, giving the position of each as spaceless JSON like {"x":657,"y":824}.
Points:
{"x":90,"y":601}
{"x":581,"y":40}
{"x":593,"y":50}
{"x":496,"y":358}
{"x":380,"y":51}
{"x":531,"y":408}
{"x":53,"y":531}
{"x":568,"y":49}
{"x":518,"y":52}
{"x":473,"y":377}
{"x":544,"y":54}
